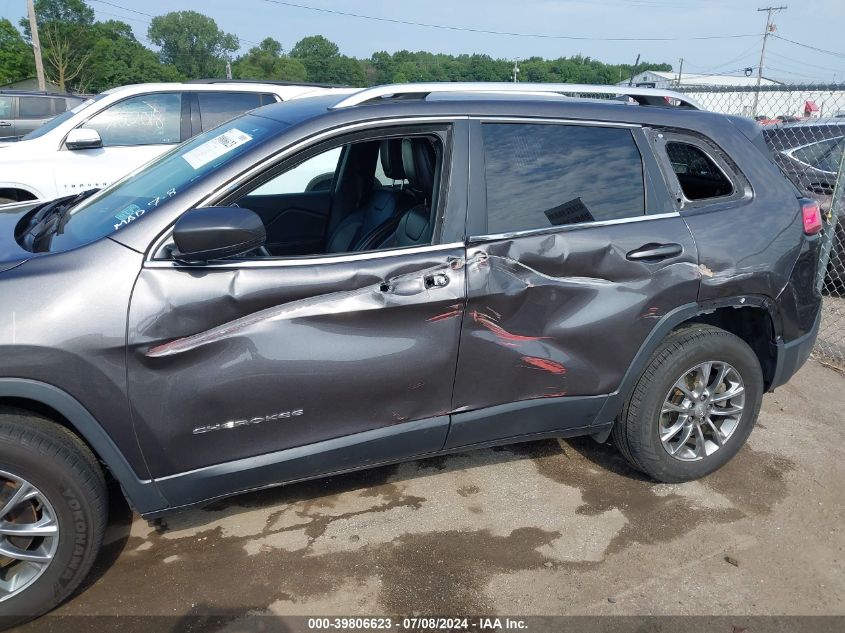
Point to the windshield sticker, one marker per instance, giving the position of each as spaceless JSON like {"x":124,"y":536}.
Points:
{"x":159,"y":199}
{"x":129,"y":214}
{"x":216,"y":147}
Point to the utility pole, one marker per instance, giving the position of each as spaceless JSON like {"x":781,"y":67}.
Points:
{"x":769,"y":29}
{"x":228,"y":69}
{"x":36,"y":45}
{"x":680,"y":69}
{"x":634,"y":71}
{"x":515,"y":70}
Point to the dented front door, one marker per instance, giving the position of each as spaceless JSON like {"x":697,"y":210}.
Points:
{"x":235,"y":361}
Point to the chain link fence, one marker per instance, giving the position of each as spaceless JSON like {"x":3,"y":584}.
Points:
{"x":804,"y":125}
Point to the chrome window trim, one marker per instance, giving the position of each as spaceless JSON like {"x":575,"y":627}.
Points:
{"x":569,"y":227}
{"x":791,"y":153}
{"x":278,"y":157}
{"x":284,"y":262}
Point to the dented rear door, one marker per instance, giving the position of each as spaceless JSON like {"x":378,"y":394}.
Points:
{"x":559,"y":311}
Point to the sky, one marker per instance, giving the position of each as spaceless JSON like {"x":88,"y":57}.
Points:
{"x":816,"y":23}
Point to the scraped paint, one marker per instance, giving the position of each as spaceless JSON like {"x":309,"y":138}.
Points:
{"x":490,"y":322}
{"x":543,"y":364}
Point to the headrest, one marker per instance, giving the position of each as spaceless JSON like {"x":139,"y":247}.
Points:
{"x":419,"y":161}
{"x":390,"y":153}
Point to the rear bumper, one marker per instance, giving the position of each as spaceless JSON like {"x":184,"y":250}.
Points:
{"x":792,"y":355}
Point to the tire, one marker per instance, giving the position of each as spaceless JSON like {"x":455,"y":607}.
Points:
{"x":637,"y":431}
{"x":72,"y":491}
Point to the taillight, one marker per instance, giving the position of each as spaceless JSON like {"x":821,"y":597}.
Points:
{"x":811,"y":214}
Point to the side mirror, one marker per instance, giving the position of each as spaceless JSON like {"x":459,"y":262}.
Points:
{"x":83,"y":138}
{"x":202,"y":235}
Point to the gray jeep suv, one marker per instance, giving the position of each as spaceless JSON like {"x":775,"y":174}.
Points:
{"x":330,"y":284}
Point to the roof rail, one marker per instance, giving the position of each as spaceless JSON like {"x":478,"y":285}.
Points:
{"x":643,"y":96}
{"x":262,"y":81}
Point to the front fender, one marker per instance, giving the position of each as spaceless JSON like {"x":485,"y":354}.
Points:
{"x":142,"y":494}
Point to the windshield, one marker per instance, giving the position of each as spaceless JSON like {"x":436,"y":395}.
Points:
{"x":55,"y":122}
{"x":128,"y":199}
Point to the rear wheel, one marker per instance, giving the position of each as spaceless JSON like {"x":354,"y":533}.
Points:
{"x":693,"y":406}
{"x":52,"y":515}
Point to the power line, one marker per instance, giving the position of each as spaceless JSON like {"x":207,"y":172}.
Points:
{"x":117,"y":6}
{"x":149,"y":15}
{"x":789,"y":61}
{"x":464,"y":29}
{"x":742,"y":55}
{"x":812,"y":48}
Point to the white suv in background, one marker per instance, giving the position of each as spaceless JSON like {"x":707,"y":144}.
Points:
{"x":121,"y":129}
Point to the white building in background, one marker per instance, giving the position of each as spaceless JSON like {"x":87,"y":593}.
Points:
{"x":732,"y":94}
{"x":667,"y":80}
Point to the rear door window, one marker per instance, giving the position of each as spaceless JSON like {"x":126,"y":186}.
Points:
{"x":35,"y":108}
{"x":219,"y":107}
{"x":546,"y":175}
{"x":5,"y":107}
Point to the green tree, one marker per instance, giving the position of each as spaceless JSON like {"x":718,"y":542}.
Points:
{"x":266,"y":61}
{"x":323,"y":62}
{"x":64,"y":27}
{"x":59,"y":12}
{"x":314,"y":47}
{"x":192,"y":43}
{"x":117,"y":59}
{"x":16,"y":59}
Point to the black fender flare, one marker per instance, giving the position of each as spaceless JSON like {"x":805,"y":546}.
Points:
{"x":671,"y":320}
{"x":142,"y":494}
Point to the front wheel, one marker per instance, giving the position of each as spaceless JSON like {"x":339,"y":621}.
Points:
{"x":693,"y":406}
{"x":52,"y":515}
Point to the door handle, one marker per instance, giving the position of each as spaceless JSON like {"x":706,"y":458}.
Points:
{"x":654,"y":252}
{"x":436,"y":280}
{"x":5,"y":124}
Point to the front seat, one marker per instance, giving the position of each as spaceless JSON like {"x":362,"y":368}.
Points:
{"x":380,"y":210}
{"x":416,"y":225}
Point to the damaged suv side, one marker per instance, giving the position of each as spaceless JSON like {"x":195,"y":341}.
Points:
{"x":321,"y":286}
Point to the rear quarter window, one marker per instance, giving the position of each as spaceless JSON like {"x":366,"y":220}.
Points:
{"x":699,"y":176}
{"x":545,"y":175}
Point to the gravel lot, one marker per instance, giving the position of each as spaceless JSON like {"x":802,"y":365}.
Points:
{"x":537,"y":529}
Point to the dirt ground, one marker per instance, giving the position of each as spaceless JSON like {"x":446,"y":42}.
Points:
{"x":535,"y":529}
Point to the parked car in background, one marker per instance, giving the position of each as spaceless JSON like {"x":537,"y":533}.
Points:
{"x":22,"y":111}
{"x":117,"y":131}
{"x":810,"y":153}
{"x":477,"y":268}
